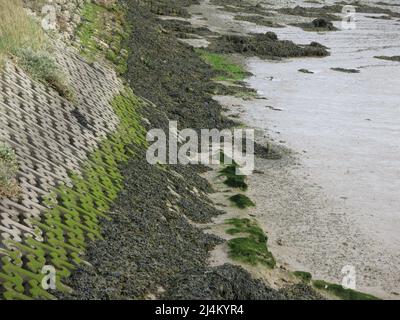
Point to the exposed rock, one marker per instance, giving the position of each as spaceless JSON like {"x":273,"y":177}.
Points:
{"x":322,"y":23}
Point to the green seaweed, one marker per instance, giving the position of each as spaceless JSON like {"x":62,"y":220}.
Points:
{"x":341,"y":292}
{"x":233,"y":180}
{"x":227,"y":70}
{"x":242,"y":201}
{"x":303,"y":275}
{"x":251,"y":249}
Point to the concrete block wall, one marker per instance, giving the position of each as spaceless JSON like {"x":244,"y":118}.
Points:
{"x":50,"y":135}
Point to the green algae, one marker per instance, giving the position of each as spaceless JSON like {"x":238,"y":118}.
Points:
{"x":227,"y":70}
{"x":252,"y":247}
{"x":303,"y":275}
{"x":233,"y":180}
{"x":341,"y":292}
{"x":242,"y":201}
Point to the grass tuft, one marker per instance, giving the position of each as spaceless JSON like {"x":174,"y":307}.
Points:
{"x":17,"y":29}
{"x":23,"y":38}
{"x":42,"y":67}
{"x":251,"y":249}
{"x":8,"y":171}
{"x":242,"y":201}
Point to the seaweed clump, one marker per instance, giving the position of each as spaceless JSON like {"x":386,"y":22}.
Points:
{"x":242,"y":201}
{"x":392,"y":58}
{"x":233,"y":180}
{"x":345,"y":70}
{"x":317,"y":25}
{"x":8,"y":171}
{"x":266,"y":45}
{"x":251,"y":248}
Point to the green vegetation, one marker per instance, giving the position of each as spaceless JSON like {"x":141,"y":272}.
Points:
{"x":74,"y":213}
{"x":103,"y":33}
{"x":251,"y":249}
{"x":341,"y":292}
{"x":18,"y":30}
{"x":242,"y":201}
{"x":42,"y":67}
{"x":232,"y":178}
{"x":335,"y":289}
{"x":21,"y":37}
{"x":227,"y":70}
{"x":8,"y":171}
{"x":303,"y":275}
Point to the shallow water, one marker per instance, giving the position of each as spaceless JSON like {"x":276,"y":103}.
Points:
{"x":346,"y":125}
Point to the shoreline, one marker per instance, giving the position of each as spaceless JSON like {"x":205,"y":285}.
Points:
{"x":305,"y":196}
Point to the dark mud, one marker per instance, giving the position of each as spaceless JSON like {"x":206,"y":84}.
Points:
{"x":266,"y":46}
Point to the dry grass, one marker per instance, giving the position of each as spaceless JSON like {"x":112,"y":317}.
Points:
{"x":17,"y":29}
{"x":8,"y":171}
{"x":24,"y":39}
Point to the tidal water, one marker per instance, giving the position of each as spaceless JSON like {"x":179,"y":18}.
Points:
{"x":346,"y":127}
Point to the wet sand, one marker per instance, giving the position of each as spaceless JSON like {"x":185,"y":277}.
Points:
{"x":335,"y":201}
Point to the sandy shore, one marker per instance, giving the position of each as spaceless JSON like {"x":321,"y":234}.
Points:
{"x":308,"y":228}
